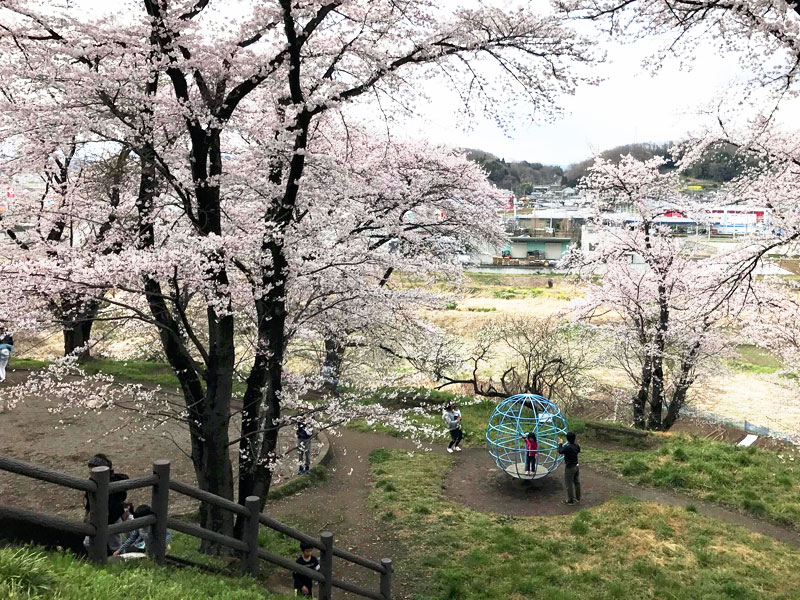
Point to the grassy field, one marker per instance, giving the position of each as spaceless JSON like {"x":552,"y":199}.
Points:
{"x":624,"y":549}
{"x":30,"y":574}
{"x":762,"y":482}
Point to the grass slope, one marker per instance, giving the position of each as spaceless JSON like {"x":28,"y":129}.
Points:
{"x":28,"y":573}
{"x":760,"y":481}
{"x":624,"y":549}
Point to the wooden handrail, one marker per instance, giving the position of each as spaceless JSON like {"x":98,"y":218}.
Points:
{"x":205,"y":534}
{"x":208,"y":497}
{"x":364,"y":562}
{"x":51,"y":521}
{"x":130,"y":525}
{"x":26,"y":469}
{"x":290,"y":565}
{"x":290,"y":531}
{"x":132,"y":484}
{"x":357,"y":589}
{"x":99,"y":488}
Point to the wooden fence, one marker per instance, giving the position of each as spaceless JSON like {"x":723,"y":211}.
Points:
{"x":98,"y":487}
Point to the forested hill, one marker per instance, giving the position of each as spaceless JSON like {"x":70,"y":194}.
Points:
{"x":720,"y":163}
{"x":517,"y":176}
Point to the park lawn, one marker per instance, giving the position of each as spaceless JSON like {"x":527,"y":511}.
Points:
{"x":762,"y":482}
{"x":623,"y":549}
{"x":27,"y":573}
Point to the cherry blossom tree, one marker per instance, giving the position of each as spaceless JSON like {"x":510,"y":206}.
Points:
{"x":184,"y":85}
{"x":663,"y":305}
{"x":547,"y":356}
{"x":49,"y":222}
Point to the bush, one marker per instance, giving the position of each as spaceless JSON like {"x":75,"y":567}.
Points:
{"x":635,"y":466}
{"x":680,"y":454}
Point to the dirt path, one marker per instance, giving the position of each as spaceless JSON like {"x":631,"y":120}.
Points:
{"x":341,"y":505}
{"x":476,"y":482}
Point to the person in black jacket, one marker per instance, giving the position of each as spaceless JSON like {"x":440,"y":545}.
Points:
{"x":116,"y":501}
{"x":302,"y":584}
{"x":570,"y":451}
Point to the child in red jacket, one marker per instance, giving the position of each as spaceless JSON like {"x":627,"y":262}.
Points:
{"x":531,"y":450}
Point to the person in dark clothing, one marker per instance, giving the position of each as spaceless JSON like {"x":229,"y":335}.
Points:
{"x":304,"y":436}
{"x":570,"y":451}
{"x":302,"y":584}
{"x":116,"y":500}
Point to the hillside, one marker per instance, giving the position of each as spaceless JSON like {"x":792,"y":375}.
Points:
{"x":520,"y":176}
{"x":720,"y":164}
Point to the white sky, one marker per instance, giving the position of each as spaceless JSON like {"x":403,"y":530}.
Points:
{"x":630,"y":105}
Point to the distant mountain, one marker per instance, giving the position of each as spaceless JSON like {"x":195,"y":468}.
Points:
{"x":719,"y":164}
{"x":520,"y":176}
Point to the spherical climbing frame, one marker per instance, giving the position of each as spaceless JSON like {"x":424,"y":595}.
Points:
{"x":512,"y":420}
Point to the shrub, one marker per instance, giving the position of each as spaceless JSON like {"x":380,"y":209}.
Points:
{"x":635,"y":466}
{"x":680,"y":454}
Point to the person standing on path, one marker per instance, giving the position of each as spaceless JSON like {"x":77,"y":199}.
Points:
{"x":452,"y":419}
{"x":570,"y":451}
{"x":303,"y":447}
{"x":6,"y":350}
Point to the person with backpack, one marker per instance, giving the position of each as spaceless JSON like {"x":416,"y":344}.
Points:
{"x":452,"y":419}
{"x":116,"y":501}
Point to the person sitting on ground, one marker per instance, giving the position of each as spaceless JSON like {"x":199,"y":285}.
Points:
{"x":128,"y":516}
{"x":570,"y":450}
{"x":139,"y":540}
{"x":116,"y":501}
{"x":302,"y":583}
{"x":531,"y":450}
{"x":452,"y":419}
{"x":6,"y":350}
{"x":304,"y":435}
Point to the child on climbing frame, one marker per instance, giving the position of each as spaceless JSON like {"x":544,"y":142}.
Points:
{"x":531,"y":450}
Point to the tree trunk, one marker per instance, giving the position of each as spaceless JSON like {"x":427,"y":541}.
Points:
{"x":332,"y":365}
{"x":77,"y":329}
{"x":657,"y":395}
{"x":685,"y":380}
{"x":640,"y":399}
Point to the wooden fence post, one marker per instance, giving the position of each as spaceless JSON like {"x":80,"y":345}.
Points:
{"x":326,"y":565}
{"x":98,"y":515}
{"x":251,"y":526}
{"x":386,"y":579}
{"x":159,"y":502}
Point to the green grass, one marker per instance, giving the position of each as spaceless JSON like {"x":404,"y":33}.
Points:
{"x":752,"y":359}
{"x":622,"y":549}
{"x":27,"y":363}
{"x":140,"y":371}
{"x":27,"y":573}
{"x":762,"y":482}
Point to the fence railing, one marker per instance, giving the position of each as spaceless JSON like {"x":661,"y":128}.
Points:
{"x":98,"y":487}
